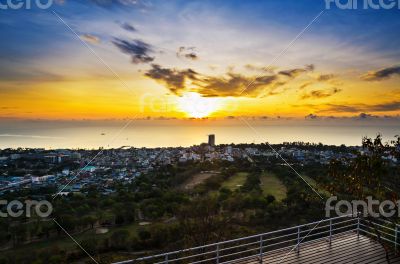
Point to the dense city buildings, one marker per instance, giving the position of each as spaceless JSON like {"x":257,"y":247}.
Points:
{"x":35,"y":168}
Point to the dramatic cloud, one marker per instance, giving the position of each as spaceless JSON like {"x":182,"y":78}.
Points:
{"x":268,"y":69}
{"x":187,"y":52}
{"x":128,"y":27}
{"x":392,"y":106}
{"x":90,"y":38}
{"x":174,"y":79}
{"x":137,"y":49}
{"x":306,"y":84}
{"x":229,"y":84}
{"x":366,"y":116}
{"x":122,"y":3}
{"x":381,"y":74}
{"x":293,"y":73}
{"x":321,"y":93}
{"x":325,"y":77}
{"x":234,"y":85}
{"x":311,"y":116}
{"x":317,"y":79}
{"x":357,"y":108}
{"x":341,"y":108}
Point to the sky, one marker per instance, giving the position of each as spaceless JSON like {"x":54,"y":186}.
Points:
{"x":116,"y":59}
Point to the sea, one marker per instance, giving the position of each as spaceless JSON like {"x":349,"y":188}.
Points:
{"x":89,"y":134}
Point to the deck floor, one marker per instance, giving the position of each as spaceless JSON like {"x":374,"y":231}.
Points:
{"x":345,"y":248}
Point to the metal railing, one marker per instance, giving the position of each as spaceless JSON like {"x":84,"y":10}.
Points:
{"x":388,"y":232}
{"x":257,"y":246}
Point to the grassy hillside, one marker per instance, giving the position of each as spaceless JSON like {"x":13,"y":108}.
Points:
{"x":270,"y":184}
{"x":236,"y":181}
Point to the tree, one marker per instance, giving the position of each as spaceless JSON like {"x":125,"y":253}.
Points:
{"x":119,"y":239}
{"x":365,"y":175}
{"x":202,"y":221}
{"x":89,"y":220}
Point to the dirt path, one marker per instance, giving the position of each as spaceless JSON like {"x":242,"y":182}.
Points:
{"x":197,"y":179}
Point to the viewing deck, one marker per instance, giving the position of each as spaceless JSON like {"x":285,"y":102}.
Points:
{"x":344,"y":239}
{"x":345,"y":248}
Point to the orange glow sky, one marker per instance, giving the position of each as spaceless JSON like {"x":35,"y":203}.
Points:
{"x":193,"y":59}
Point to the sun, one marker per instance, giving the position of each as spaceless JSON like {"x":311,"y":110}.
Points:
{"x":194,"y":105}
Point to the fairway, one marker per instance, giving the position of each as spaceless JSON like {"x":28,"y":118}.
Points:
{"x":236,"y":181}
{"x":314,"y":184}
{"x":270,"y":184}
{"x":197,"y":179}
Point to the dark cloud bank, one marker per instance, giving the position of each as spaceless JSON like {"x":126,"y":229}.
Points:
{"x":381,"y":74}
{"x":230,"y":84}
{"x":137,"y":49}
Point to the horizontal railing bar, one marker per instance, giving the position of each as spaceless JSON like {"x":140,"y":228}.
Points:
{"x":310,"y":235}
{"x":203,"y":260}
{"x":240,"y":252}
{"x":340,"y":228}
{"x":278,"y":237}
{"x":257,"y":242}
{"x":292,"y":234}
{"x":315,"y":228}
{"x":242,"y":239}
{"x":380,"y":231}
{"x":290,"y":240}
{"x":238,"y":246}
{"x":383,"y":220}
{"x":257,"y":236}
{"x":194,"y":256}
{"x":345,"y":221}
{"x":308,"y":253}
{"x":319,"y":233}
{"x":380,"y":225}
{"x":377,"y":236}
{"x":308,"y":242}
{"x":239,"y":259}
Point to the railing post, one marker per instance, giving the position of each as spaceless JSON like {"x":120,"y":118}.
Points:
{"x":298,"y":240}
{"x":166,"y":259}
{"x":358,"y":226}
{"x":217,"y":258}
{"x":396,"y":230}
{"x":261,"y":249}
{"x":330,"y":232}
